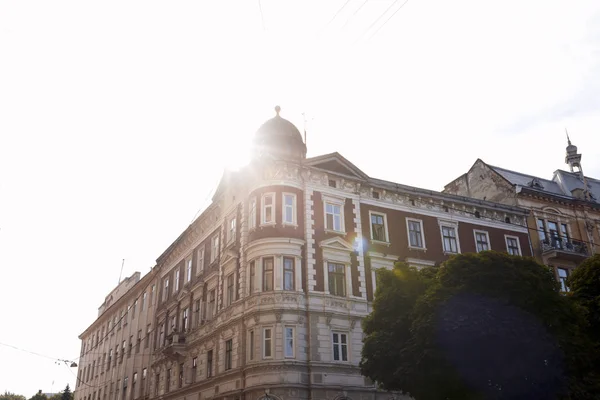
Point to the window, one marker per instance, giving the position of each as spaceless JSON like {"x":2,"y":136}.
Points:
{"x":482,"y":241}
{"x":449,"y":240}
{"x":541,"y":225}
{"x":133,"y":309}
{"x":415,"y":233}
{"x":161,"y":335}
{"x":168,"y":382}
{"x":139,"y":341}
{"x":180,"y":378}
{"x":268,"y":207}
{"x":130,"y":345}
{"x":563,"y":274}
{"x":152,"y":293}
{"x":133,"y":382}
{"x":332,"y":183}
{"x":337,"y":279}
{"x":512,"y":245}
{"x":176,"y":285}
{"x":185,"y":319}
{"x":288,"y":273}
{"x":194,"y":368}
{"x":375,"y":194}
{"x":564,"y":232}
{"x":211,"y":304}
{"x":340,"y":346}
{"x":231,"y":233}
{"x":267,"y":284}
{"x":126,"y":315}
{"x":144,"y":296}
{"x":148,"y":330}
{"x":200,"y":260}
{"x":378,"y":227}
{"x":123,"y":349}
{"x":252,"y":277}
{"x":188,"y":275}
{"x":173,"y":324}
{"x":197,"y":313}
{"x":214,"y":247}
{"x":143,"y":385}
{"x":230,"y":289}
{"x":288,"y":342}
{"x":166,"y":291}
{"x":267,"y":343}
{"x":110,"y":354}
{"x":333,"y":217}
{"x":251,"y":345}
{"x":252,"y":214}
{"x":209,"y":363}
{"x":228,"y":354}
{"x":156,"y":384}
{"x":289,"y":209}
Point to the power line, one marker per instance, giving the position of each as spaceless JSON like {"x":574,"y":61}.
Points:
{"x":30,"y":352}
{"x":387,"y":20}
{"x":335,"y":15}
{"x":262,"y":17}
{"x":377,"y":20}
{"x":355,"y":12}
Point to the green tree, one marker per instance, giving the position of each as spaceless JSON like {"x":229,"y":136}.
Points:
{"x":584,"y":284}
{"x":484,"y":326}
{"x":39,"y":396}
{"x":11,"y":396}
{"x":67,"y":394}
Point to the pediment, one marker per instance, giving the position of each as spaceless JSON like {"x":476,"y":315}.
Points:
{"x":336,"y":243}
{"x":334,"y":162}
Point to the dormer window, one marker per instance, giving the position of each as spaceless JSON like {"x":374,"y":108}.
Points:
{"x":333,"y":183}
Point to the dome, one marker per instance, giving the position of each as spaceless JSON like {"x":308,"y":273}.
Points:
{"x":280,"y":138}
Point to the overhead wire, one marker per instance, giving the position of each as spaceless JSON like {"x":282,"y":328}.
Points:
{"x":354,"y":13}
{"x":387,"y":20}
{"x":335,"y":16}
{"x":376,"y":21}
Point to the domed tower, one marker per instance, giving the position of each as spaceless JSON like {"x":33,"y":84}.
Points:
{"x":278,"y":138}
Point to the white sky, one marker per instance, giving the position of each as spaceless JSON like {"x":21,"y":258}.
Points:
{"x":117,"y":118}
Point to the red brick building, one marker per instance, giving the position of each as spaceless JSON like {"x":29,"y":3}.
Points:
{"x":264,"y":293}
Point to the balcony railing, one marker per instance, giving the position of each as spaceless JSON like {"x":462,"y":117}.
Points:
{"x":568,"y":246}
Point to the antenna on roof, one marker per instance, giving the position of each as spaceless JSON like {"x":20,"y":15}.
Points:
{"x":304,"y":117}
{"x":121,"y":273}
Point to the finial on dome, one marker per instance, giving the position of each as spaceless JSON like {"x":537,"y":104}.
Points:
{"x":277,"y":110}
{"x":568,"y":140}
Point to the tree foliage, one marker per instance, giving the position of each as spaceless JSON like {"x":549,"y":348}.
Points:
{"x":67,"y":394}
{"x":584,"y":284}
{"x":11,"y":396}
{"x":39,"y":396}
{"x":482,"y":326}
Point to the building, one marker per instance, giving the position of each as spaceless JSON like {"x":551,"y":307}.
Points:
{"x":262,"y":296}
{"x":115,"y":353}
{"x":565,"y":210}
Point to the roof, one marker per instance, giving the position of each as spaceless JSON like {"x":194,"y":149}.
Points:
{"x":335,"y":162}
{"x":562,"y":184}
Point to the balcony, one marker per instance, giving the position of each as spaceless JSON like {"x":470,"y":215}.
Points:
{"x":175,"y":344}
{"x":567,"y":250}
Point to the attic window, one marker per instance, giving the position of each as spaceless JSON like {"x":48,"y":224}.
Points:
{"x":375,"y":194}
{"x":412,"y":202}
{"x":477,"y":214}
{"x":535,"y":183}
{"x":507,"y":220}
{"x":445,"y":208}
{"x":332,"y":183}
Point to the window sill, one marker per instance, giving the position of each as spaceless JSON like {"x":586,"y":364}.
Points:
{"x":267,"y":224}
{"x":383,"y":243}
{"x":335,"y":232}
{"x":417,"y":248}
{"x":290,"y":224}
{"x":451,"y":253}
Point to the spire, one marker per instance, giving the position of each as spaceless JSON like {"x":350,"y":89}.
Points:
{"x":568,"y":140}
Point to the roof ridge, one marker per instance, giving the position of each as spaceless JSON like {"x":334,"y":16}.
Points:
{"x":576,"y":175}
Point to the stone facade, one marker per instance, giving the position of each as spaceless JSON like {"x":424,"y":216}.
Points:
{"x":564,"y":212}
{"x":263,"y":295}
